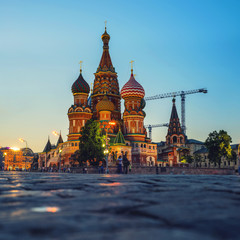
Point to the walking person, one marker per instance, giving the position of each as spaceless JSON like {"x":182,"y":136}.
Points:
{"x":125,"y":164}
{"x":120,"y":164}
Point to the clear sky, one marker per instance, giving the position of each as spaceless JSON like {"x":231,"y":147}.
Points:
{"x":176,"y":45}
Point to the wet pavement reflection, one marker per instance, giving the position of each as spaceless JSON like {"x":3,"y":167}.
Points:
{"x":82,"y":206}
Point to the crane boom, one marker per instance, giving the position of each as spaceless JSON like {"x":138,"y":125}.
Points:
{"x":154,"y":126}
{"x":174,"y":94}
{"x":182,"y":94}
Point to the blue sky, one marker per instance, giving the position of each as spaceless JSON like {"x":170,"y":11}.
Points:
{"x":176,"y":45}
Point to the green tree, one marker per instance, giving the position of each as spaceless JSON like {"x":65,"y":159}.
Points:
{"x":91,"y":144}
{"x":187,"y":159}
{"x":218,"y":145}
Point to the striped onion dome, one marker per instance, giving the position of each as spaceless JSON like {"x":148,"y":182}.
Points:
{"x":105,"y":105}
{"x":80,"y":85}
{"x":132,"y":89}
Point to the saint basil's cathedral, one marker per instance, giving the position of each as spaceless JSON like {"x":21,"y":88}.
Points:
{"x":103,"y":103}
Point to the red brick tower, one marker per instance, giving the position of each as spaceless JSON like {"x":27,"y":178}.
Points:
{"x":133,"y":116}
{"x":106,"y":82}
{"x":175,"y":136}
{"x":80,"y":112}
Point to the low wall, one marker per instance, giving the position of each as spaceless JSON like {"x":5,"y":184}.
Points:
{"x":164,"y":170}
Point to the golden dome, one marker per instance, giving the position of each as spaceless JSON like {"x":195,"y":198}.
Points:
{"x":105,"y":105}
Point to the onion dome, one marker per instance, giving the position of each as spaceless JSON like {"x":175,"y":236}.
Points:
{"x":132,"y":89}
{"x":105,"y":105}
{"x":80,"y":85}
{"x":105,"y":36}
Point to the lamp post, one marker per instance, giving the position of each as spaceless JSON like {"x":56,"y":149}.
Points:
{"x":106,"y":151}
{"x":5,"y":154}
{"x":60,"y":151}
{"x":22,"y":140}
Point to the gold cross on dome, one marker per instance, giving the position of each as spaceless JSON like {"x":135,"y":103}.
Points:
{"x":80,"y":65}
{"x":105,"y":24}
{"x":131,"y":66}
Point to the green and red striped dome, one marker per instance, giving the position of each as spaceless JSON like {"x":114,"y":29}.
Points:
{"x":80,"y":85}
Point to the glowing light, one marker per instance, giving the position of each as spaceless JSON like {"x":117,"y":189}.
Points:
{"x":46,"y":209}
{"x":111,"y":184}
{"x":55,"y":133}
{"x":15,"y":148}
{"x":112,"y":123}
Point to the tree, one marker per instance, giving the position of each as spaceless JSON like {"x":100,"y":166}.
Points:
{"x":187,"y":159}
{"x":218,"y":145}
{"x":91,"y":144}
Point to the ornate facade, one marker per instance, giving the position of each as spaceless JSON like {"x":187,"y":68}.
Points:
{"x":127,"y":136}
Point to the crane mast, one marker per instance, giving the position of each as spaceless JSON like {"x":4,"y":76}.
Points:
{"x":182,"y":94}
{"x":154,"y":126}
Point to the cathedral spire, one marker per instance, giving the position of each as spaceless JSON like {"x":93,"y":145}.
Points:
{"x":175,"y":135}
{"x":105,"y":62}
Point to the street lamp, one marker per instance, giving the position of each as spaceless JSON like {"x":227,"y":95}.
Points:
{"x":22,"y":140}
{"x":5,"y":154}
{"x":106,"y":151}
{"x":55,"y":133}
{"x":60,"y":151}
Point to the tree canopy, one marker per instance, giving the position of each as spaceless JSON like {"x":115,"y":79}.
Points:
{"x":91,"y":144}
{"x":218,"y":145}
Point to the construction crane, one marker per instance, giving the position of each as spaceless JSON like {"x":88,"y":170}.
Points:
{"x":182,"y":94}
{"x":154,"y":126}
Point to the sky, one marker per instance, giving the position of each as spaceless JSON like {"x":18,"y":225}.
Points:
{"x":175,"y":44}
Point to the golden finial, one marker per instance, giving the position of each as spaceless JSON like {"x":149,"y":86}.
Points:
{"x":105,"y":25}
{"x":131,"y":66}
{"x":91,"y":88}
{"x":80,"y":66}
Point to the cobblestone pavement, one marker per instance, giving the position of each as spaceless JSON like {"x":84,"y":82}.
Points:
{"x":77,"y":206}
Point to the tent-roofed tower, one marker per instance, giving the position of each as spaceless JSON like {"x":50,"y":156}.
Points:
{"x":175,"y":134}
{"x":106,"y":82}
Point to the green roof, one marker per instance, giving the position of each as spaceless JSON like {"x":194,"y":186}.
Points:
{"x":119,"y":139}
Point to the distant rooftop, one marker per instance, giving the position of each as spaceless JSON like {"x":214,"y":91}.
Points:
{"x":194,"y":141}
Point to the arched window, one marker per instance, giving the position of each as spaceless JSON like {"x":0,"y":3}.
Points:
{"x":174,"y":139}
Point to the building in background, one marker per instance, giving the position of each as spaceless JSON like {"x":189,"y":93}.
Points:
{"x":17,"y":159}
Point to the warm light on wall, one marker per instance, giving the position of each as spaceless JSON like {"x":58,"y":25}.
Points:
{"x":15,"y":148}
